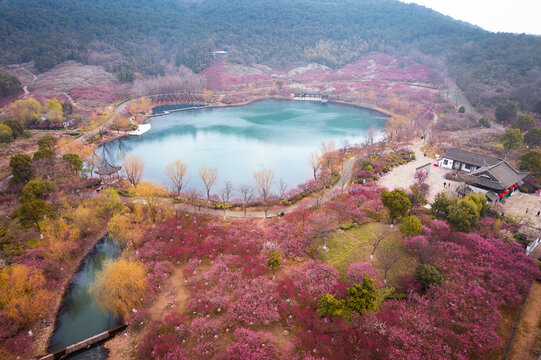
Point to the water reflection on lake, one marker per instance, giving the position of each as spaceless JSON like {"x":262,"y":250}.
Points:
{"x":240,"y":140}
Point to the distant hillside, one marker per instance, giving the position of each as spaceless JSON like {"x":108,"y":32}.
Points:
{"x":130,"y":36}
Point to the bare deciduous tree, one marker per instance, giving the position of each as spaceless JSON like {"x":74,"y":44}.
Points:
{"x":247,"y":195}
{"x":321,"y":225}
{"x":133,"y":167}
{"x":193,"y":194}
{"x":180,"y":80}
{"x":92,"y":159}
{"x":381,"y":233}
{"x":209,"y":177}
{"x":176,"y":173}
{"x":315,"y":163}
{"x":387,"y":259}
{"x":327,"y":151}
{"x":225,"y":194}
{"x":263,"y":181}
{"x":345,"y":145}
{"x":282,"y":188}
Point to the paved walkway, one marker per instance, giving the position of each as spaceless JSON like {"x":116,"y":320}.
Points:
{"x":516,"y":206}
{"x":403,"y":176}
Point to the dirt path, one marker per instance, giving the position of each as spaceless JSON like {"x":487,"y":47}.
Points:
{"x":527,"y":341}
{"x":173,"y":298}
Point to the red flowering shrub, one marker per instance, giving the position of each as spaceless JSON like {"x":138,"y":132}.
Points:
{"x":357,"y":271}
{"x":252,"y":345}
{"x":314,"y":279}
{"x":289,"y":236}
{"x":205,"y":333}
{"x":255,"y":303}
{"x":415,"y":244}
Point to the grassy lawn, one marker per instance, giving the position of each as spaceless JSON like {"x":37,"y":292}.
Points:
{"x":354,"y":245}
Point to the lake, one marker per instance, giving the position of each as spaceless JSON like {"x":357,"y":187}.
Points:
{"x":276,"y":134}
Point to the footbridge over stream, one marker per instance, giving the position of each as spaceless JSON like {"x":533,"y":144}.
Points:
{"x":84,"y":344}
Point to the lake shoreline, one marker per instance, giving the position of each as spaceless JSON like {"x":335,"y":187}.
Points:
{"x":270,"y":133}
{"x":112,"y":137}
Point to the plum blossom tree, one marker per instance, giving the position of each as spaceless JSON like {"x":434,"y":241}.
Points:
{"x":322,"y":225}
{"x":252,"y":345}
{"x":357,"y":271}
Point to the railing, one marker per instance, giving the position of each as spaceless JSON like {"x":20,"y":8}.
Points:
{"x":530,"y":248}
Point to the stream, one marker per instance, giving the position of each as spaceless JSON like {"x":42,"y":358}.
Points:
{"x":80,"y":317}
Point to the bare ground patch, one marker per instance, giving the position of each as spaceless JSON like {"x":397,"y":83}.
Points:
{"x":526,"y":344}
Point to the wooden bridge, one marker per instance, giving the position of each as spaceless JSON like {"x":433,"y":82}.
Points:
{"x":82,"y":345}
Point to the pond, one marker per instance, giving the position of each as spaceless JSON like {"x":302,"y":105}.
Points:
{"x":276,"y":134}
{"x":80,"y":317}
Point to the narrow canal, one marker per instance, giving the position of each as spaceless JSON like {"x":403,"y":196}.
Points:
{"x":80,"y":317}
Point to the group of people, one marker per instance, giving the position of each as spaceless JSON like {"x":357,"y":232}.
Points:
{"x":538,"y":212}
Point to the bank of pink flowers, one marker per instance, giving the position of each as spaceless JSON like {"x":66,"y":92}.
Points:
{"x":236,"y":310}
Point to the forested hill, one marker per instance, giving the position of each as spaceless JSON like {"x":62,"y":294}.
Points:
{"x":142,"y":35}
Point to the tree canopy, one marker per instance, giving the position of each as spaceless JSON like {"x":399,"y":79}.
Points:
{"x":362,"y":298}
{"x":396,"y":202}
{"x":531,"y":161}
{"x":524,"y":122}
{"x":119,"y":286}
{"x":533,"y":137}
{"x":511,"y":139}
{"x":9,"y":84}
{"x":410,"y":226}
{"x":128,"y":36}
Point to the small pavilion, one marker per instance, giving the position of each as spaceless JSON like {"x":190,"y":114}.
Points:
{"x":106,"y":169}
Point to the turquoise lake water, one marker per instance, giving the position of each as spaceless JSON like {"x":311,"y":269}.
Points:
{"x":240,"y":140}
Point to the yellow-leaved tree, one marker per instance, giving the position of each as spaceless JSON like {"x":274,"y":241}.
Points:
{"x":26,"y":110}
{"x":23,"y":294}
{"x":59,"y":240}
{"x":123,"y":228}
{"x":133,"y":167}
{"x":151,"y":202}
{"x":53,"y":110}
{"x":120,"y":286}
